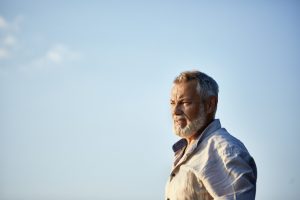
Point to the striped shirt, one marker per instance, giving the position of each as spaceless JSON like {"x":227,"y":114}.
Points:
{"x":215,"y":166}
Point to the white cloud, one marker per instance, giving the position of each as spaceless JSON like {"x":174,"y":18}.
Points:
{"x":3,"y":23}
{"x":12,"y":26}
{"x":54,"y":56}
{"x":60,"y":53}
{"x":3,"y":54}
{"x":9,"y":40}
{"x":57,"y":55}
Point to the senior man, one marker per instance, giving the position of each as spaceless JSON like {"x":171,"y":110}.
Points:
{"x":209,"y":163}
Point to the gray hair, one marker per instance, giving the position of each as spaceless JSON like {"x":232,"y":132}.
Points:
{"x":207,"y":86}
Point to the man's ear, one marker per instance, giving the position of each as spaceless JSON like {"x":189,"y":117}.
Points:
{"x":211,"y":104}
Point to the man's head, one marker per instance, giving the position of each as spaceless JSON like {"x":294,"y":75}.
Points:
{"x":194,"y":101}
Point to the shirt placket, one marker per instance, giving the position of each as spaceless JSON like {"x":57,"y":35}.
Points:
{"x":182,"y":158}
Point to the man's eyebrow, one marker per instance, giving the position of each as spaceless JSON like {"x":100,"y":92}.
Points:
{"x":182,"y":99}
{"x":186,"y":98}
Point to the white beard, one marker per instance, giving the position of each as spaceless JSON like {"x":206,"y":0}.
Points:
{"x":192,"y":127}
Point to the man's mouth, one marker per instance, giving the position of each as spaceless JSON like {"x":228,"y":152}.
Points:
{"x":181,"y":122}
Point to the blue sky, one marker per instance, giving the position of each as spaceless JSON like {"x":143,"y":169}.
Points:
{"x":85,"y":88}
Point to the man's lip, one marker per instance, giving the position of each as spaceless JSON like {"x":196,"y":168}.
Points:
{"x":180,"y":121}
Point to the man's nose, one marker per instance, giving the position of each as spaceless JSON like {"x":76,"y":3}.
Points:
{"x":177,"y":110}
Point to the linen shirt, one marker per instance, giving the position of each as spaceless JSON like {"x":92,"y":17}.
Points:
{"x":215,"y":166}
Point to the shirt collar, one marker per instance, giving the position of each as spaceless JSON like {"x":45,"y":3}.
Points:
{"x":212,"y":127}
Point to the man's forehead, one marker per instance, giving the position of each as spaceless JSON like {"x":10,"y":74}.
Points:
{"x":184,"y":89}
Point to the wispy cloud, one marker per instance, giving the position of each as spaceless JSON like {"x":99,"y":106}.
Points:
{"x":56,"y":56}
{"x":3,"y":50}
{"x":11,"y":26}
{"x":3,"y":23}
{"x":4,"y":54}
{"x":8,"y":39}
{"x":60,"y":53}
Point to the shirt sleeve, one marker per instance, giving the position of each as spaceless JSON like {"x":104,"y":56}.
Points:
{"x":230,"y":174}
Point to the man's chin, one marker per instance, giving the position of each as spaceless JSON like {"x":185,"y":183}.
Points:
{"x":190,"y":129}
{"x":184,"y":132}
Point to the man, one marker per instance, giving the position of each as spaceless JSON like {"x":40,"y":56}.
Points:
{"x":209,"y":163}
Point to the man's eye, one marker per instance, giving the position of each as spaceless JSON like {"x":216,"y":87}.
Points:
{"x":187,"y":103}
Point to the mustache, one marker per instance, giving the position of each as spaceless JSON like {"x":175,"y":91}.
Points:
{"x":180,"y":117}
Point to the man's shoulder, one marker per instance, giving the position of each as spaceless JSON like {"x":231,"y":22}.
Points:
{"x":222,"y":142}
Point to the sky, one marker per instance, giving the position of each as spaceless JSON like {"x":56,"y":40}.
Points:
{"x":85,"y":90}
